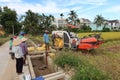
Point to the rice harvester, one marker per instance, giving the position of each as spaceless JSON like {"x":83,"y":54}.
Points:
{"x":70,"y":40}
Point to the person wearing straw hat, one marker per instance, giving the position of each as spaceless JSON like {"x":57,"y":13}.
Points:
{"x":24,"y":48}
{"x":46,"y":40}
{"x":18,"y":55}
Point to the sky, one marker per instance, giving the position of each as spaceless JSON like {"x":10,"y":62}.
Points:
{"x":109,"y":9}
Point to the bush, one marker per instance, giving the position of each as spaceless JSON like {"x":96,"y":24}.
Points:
{"x":88,"y":72}
{"x":105,"y":29}
{"x":85,"y":28}
{"x":66,"y":59}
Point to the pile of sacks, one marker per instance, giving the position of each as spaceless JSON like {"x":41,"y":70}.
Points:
{"x":42,"y":48}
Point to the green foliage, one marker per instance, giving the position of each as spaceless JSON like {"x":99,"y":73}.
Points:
{"x":3,"y":39}
{"x":60,"y":28}
{"x":83,"y":69}
{"x":85,"y":28}
{"x":73,"y":18}
{"x":75,"y":30}
{"x":89,"y":72}
{"x":30,"y":22}
{"x":99,"y":21}
{"x":9,"y":20}
{"x":63,"y":60}
{"x":35,"y":23}
{"x":105,"y":29}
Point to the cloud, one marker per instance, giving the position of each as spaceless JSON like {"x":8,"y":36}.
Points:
{"x":74,"y":2}
{"x":113,"y":9}
{"x":52,"y":7}
{"x":10,"y":1}
{"x":21,"y":8}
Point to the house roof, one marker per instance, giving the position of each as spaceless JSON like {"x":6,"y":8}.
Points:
{"x":85,"y":20}
{"x":71,"y":26}
{"x":113,"y":21}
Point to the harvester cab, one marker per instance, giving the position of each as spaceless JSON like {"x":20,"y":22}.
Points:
{"x":65,"y":39}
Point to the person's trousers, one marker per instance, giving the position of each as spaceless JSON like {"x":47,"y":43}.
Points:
{"x":19,"y":65}
{"x":46,"y":46}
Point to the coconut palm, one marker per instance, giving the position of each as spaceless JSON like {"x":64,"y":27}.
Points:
{"x":73,"y":18}
{"x":99,"y":21}
{"x":45,"y":22}
{"x":31,"y":21}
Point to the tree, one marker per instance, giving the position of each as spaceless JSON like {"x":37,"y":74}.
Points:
{"x":9,"y":20}
{"x":45,"y":22}
{"x":31,"y":22}
{"x":0,"y":9}
{"x":61,"y":15}
{"x":85,"y":28}
{"x":99,"y":21}
{"x":73,"y":18}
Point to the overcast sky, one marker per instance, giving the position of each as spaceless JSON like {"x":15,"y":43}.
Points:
{"x":110,"y":9}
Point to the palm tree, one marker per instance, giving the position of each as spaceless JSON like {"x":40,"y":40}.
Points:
{"x":73,"y":18}
{"x":49,"y":20}
{"x":99,"y":21}
{"x":45,"y":22}
{"x":31,"y":21}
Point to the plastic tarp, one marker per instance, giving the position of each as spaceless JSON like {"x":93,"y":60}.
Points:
{"x":39,"y":78}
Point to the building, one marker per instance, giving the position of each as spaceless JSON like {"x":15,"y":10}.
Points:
{"x":60,"y":22}
{"x":85,"y":21}
{"x":114,"y":24}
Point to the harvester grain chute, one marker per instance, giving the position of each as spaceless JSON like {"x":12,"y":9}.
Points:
{"x":70,"y":40}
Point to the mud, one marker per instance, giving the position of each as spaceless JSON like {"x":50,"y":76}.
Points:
{"x":39,"y":67}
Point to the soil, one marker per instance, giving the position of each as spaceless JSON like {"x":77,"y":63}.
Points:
{"x":114,"y":49}
{"x":39,"y":67}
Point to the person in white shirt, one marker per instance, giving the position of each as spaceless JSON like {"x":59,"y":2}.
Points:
{"x":18,"y":55}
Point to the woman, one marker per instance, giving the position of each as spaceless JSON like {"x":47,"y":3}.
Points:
{"x":18,"y":55}
{"x":24,"y":49}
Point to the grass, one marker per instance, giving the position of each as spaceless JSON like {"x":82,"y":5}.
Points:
{"x":107,"y":58}
{"x":106,"y":35}
{"x":38,"y":39}
{"x":3,"y":39}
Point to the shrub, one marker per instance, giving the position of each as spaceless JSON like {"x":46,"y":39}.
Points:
{"x":66,"y":59}
{"x":89,"y":72}
{"x":85,"y":28}
{"x":105,"y":29}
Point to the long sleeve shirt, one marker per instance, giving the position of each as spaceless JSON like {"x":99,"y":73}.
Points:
{"x":24,"y":48}
{"x":46,"y":38}
{"x":17,"y":51}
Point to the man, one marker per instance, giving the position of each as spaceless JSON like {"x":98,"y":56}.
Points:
{"x":22,"y":34}
{"x":46,"y":40}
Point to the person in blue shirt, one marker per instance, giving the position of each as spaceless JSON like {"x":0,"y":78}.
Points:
{"x":21,"y":35}
{"x":46,"y":40}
